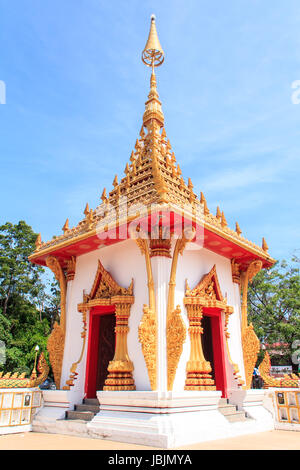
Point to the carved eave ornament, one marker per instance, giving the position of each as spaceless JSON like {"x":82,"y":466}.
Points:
{"x":236,"y":272}
{"x":106,"y":291}
{"x":207,"y":293}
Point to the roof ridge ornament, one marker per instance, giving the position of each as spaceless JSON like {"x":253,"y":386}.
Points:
{"x":153,"y":54}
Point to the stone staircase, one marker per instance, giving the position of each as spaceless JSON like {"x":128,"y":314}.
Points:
{"x":90,"y":407}
{"x":85,"y":411}
{"x":230,"y":412}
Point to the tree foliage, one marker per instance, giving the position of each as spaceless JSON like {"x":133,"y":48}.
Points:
{"x":17,"y":274}
{"x":274,"y":305}
{"x":28,"y":308}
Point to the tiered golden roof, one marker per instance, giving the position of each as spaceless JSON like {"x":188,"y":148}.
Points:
{"x":152,"y":176}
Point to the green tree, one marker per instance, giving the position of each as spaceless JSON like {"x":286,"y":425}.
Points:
{"x":26,"y":307}
{"x":17,"y":274}
{"x":274,"y":305}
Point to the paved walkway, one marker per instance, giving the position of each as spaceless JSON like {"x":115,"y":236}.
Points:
{"x":272,"y":440}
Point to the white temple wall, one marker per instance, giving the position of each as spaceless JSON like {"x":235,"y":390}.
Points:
{"x":124,"y":262}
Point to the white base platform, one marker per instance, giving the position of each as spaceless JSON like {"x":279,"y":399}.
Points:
{"x":55,"y":405}
{"x":163,"y":420}
{"x":15,"y":429}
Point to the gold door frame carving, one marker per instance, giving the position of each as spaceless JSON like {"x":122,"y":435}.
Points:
{"x":206,"y":294}
{"x":106,"y":291}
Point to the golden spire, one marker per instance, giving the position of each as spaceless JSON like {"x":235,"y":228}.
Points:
{"x":153,"y":56}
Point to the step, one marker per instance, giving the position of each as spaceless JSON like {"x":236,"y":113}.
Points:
{"x":223,"y":401}
{"x":80,"y":415}
{"x":91,"y":401}
{"x":80,"y":421}
{"x":237,"y":417}
{"x":227,"y":410}
{"x":85,"y":407}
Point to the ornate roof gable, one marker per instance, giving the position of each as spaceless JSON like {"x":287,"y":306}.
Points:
{"x":208,"y":287}
{"x":105,"y":287}
{"x":207,"y":293}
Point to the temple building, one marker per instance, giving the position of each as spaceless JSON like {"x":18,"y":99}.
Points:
{"x":153,"y":324}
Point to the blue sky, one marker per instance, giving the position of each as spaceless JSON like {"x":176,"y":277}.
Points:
{"x":75,"y":94}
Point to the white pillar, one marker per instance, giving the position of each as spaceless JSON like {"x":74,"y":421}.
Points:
{"x":234,"y":328}
{"x":161,"y":267}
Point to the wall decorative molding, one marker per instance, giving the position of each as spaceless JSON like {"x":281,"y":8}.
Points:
{"x":56,"y":340}
{"x":235,"y":271}
{"x":160,"y":242}
{"x":236,"y":371}
{"x":250,"y":342}
{"x":148,"y":325}
{"x":148,"y":340}
{"x":176,"y":336}
{"x":71,"y":268}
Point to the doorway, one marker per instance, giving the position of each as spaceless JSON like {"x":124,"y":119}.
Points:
{"x":207,"y":344}
{"x":101,"y":349}
{"x":213,"y":347}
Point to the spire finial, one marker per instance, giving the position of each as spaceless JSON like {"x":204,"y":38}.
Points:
{"x":66,"y":226}
{"x":264,"y":245}
{"x":153,"y":54}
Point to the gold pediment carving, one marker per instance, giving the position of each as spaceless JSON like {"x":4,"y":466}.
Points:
{"x":105,"y":287}
{"x":207,"y":293}
{"x":208,"y":287}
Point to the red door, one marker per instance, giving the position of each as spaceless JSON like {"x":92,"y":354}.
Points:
{"x":217,"y":348}
{"x":101,"y":348}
